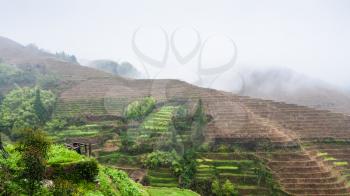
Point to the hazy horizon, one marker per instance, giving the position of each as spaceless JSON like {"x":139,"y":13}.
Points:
{"x":310,"y":37}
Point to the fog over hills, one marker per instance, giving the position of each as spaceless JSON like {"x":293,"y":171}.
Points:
{"x":124,"y":69}
{"x":282,"y":84}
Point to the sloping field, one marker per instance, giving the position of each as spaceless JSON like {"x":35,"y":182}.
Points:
{"x":276,"y":129}
{"x":240,"y":120}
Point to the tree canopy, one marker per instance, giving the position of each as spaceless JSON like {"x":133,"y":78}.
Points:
{"x":25,"y":108}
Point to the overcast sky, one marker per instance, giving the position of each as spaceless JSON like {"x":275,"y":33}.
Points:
{"x":309,"y":36}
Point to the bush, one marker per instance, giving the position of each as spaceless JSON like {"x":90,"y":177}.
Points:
{"x":161,"y":159}
{"x":137,"y":110}
{"x":126,"y":186}
{"x":181,"y":119}
{"x":216,"y":188}
{"x":188,"y":171}
{"x":202,"y":186}
{"x":61,"y":154}
{"x":9,"y":172}
{"x":75,"y":171}
{"x":226,"y":189}
{"x":105,"y":186}
{"x":56,"y":124}
{"x":34,"y":148}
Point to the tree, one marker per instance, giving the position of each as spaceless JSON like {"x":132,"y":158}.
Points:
{"x":216,"y":188}
{"x":39,"y":107}
{"x":189,"y":165}
{"x":198,"y":124}
{"x":228,"y":189}
{"x":33,"y":147}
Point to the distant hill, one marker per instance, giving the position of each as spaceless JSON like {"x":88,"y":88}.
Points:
{"x":285,"y":85}
{"x":124,"y":69}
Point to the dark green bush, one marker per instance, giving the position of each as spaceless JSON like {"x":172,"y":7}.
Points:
{"x":76,"y":171}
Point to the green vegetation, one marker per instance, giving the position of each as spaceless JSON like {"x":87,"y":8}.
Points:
{"x":170,"y":191}
{"x":159,"y":121}
{"x":66,"y":57}
{"x":322,"y":154}
{"x":126,"y":186}
{"x":34,"y":148}
{"x":137,"y":110}
{"x":340,"y":163}
{"x":168,"y":141}
{"x":161,"y":159}
{"x":11,"y":75}
{"x":225,"y":189}
{"x":23,"y":108}
{"x":182,"y":119}
{"x":60,"y":154}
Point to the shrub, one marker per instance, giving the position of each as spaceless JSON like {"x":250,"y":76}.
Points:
{"x":161,"y":159}
{"x":202,"y":186}
{"x":126,"y":186}
{"x":56,"y":124}
{"x":181,"y":119}
{"x":216,"y":188}
{"x":61,"y":154}
{"x":105,"y":185}
{"x":34,"y":148}
{"x":82,"y":170}
{"x":228,"y":189}
{"x":188,"y":171}
{"x":137,"y":110}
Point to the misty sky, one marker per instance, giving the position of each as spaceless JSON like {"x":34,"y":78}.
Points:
{"x":309,"y":36}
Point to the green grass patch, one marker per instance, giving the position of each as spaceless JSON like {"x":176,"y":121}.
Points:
{"x":227,"y":168}
{"x":322,"y":154}
{"x":61,"y":154}
{"x":330,"y":159}
{"x":159,"y":121}
{"x":340,"y":163}
{"x":153,"y":191}
{"x":77,"y":133}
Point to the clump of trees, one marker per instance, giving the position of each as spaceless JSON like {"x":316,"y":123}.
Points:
{"x":66,"y":57}
{"x":199,"y":123}
{"x":182,"y":119}
{"x":26,"y":108}
{"x":138,"y":110}
{"x":10,"y":75}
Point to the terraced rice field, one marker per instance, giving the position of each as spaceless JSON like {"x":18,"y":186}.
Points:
{"x":334,"y":155}
{"x":240,"y":169}
{"x":162,"y":177}
{"x":235,"y":120}
{"x":119,"y":159}
{"x":159,"y":121}
{"x":155,"y":191}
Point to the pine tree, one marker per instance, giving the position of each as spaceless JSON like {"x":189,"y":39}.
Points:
{"x":39,"y":108}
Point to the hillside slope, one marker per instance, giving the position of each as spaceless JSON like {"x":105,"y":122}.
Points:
{"x":275,"y":131}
